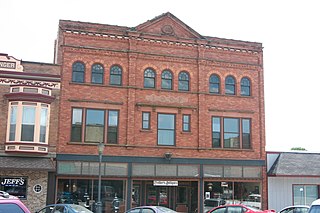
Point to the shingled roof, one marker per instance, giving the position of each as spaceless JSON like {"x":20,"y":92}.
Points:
{"x":296,"y":164}
{"x":27,"y":163}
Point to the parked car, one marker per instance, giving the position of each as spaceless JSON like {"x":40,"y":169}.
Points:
{"x":9,"y":203}
{"x":210,"y":203}
{"x":238,"y":208}
{"x":315,"y":206}
{"x":150,"y":209}
{"x":295,"y":209}
{"x":64,"y":208}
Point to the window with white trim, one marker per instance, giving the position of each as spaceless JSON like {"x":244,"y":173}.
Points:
{"x":28,"y":122}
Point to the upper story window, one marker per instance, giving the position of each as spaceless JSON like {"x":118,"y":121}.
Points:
{"x":214,"y":84}
{"x":145,"y":120}
{"x":28,"y":122}
{"x":183,"y":81}
{"x":78,"y":70}
{"x":149,"y":78}
{"x":166,"y":129}
{"x":94,"y":128}
{"x":245,"y":87}
{"x":97,"y":73}
{"x":230,"y":86}
{"x":234,"y":132}
{"x":186,"y":123}
{"x":166,"y":80}
{"x":116,"y":75}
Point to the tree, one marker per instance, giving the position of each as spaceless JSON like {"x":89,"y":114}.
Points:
{"x":298,"y":149}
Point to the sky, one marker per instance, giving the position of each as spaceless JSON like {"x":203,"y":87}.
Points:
{"x":288,"y":30}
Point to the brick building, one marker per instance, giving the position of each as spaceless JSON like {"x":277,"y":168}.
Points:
{"x":181,"y":116}
{"x":29,"y":104}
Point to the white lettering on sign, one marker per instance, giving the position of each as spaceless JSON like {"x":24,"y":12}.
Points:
{"x":167,"y":99}
{"x":8,"y":65}
{"x":165,"y":183}
{"x":13,"y":182}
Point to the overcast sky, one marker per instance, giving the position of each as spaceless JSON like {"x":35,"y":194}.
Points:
{"x":288,"y":30}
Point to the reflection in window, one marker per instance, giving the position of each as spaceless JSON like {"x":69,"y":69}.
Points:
{"x":13,"y":122}
{"x":78,"y":72}
{"x":216,"y":132}
{"x":230,"y":86}
{"x":214,"y":84}
{"x":97,"y":74}
{"x":166,"y":80}
{"x":94,"y":125}
{"x":246,"y":129}
{"x":115,"y":75}
{"x":149,"y":78}
{"x":186,"y":123}
{"x":43,"y":124}
{"x":231,"y":133}
{"x":113,"y":117}
{"x":166,"y":129}
{"x":76,"y":129}
{"x":183,"y":81}
{"x":28,"y":122}
{"x":245,"y":87}
{"x":304,"y":194}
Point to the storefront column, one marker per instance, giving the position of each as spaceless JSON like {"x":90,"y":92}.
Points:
{"x":129,"y":187}
{"x":200,"y":207}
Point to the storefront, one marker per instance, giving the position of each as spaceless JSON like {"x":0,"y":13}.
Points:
{"x":174,"y":183}
{"x":27,"y":178}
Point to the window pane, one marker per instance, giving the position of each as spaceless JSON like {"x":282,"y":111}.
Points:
{"x":28,"y":121}
{"x":149,"y":78}
{"x":94,"y":125}
{"x":245,"y":87}
{"x":166,"y":121}
{"x":186,"y":123}
{"x":78,"y":72}
{"x":115,"y":75}
{"x":145,"y":120}
{"x":231,"y":140}
{"x":76,"y":131}
{"x":216,"y":132}
{"x":97,"y":74}
{"x":231,"y":125}
{"x":13,"y":122}
{"x":112,"y":127}
{"x":183,"y":81}
{"x":115,"y":80}
{"x":43,"y":124}
{"x":165,"y":137}
{"x":166,"y":84}
{"x":246,"y":144}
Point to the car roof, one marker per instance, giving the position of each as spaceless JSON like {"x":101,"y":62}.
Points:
{"x":316,"y":202}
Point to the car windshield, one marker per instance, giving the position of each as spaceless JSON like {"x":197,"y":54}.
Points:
{"x":314,"y":209}
{"x":80,"y":209}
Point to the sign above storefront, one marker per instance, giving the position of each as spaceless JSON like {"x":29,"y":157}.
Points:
{"x":9,"y":63}
{"x":165,"y":183}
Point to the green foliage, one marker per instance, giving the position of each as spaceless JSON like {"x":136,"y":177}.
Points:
{"x":299,"y":148}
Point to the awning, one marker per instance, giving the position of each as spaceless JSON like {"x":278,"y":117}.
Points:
{"x":27,"y":163}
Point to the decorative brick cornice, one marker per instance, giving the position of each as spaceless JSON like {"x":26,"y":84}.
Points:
{"x":95,"y":101}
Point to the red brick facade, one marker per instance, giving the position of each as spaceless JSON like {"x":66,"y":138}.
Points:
{"x":161,"y":43}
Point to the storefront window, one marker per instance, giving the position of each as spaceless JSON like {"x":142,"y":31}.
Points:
{"x":247,"y":193}
{"x":304,"y":194}
{"x":85,"y":192}
{"x":16,"y":186}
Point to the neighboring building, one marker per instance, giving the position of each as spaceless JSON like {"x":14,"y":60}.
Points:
{"x":181,"y":115}
{"x":293,"y":178}
{"x":29,"y":103}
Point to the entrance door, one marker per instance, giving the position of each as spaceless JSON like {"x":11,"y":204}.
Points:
{"x":158,"y":195}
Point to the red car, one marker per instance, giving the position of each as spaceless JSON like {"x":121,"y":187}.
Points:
{"x":238,"y":208}
{"x":9,"y":203}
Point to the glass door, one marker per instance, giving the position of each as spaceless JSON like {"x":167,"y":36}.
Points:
{"x":157,"y":196}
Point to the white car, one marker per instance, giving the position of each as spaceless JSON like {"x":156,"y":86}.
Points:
{"x":295,"y":209}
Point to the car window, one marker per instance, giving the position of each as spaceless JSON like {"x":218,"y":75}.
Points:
{"x":300,"y":210}
{"x":59,"y":209}
{"x":47,"y":209}
{"x":288,"y":210}
{"x":234,"y":209}
{"x":10,"y":207}
{"x":137,"y":210}
{"x":147,"y":210}
{"x":314,"y":209}
{"x":219,"y":210}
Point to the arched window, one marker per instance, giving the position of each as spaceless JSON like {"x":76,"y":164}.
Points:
{"x":115,"y":75}
{"x":214,"y":84}
{"x":230,"y":87}
{"x":166,"y":80}
{"x":149,"y":78}
{"x":183,"y":81}
{"x":78,"y":72}
{"x":97,"y":74}
{"x":245,"y":87}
